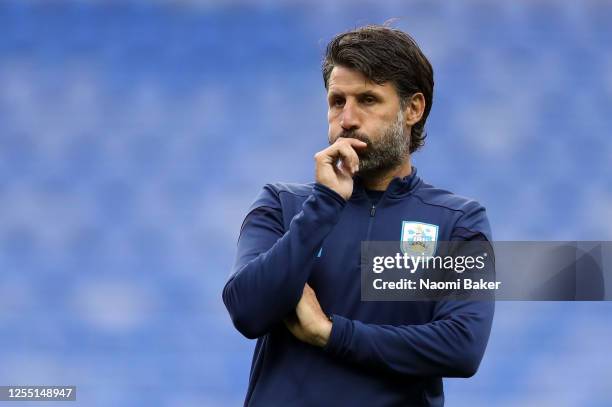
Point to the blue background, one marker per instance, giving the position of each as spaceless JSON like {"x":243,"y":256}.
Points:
{"x":135,"y":134}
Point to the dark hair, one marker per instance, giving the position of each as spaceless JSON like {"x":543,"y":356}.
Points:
{"x":385,"y":54}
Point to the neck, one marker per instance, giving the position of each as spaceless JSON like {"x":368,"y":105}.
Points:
{"x":380,"y":182}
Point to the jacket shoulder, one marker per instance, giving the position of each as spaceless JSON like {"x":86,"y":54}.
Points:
{"x":430,"y":195}
{"x":291,"y":188}
{"x":271,"y":194}
{"x":471,"y":217}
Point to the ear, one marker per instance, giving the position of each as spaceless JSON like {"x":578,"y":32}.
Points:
{"x":415,"y":108}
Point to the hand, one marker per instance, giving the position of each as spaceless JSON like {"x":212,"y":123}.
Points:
{"x":309,"y":323}
{"x":327,"y":171}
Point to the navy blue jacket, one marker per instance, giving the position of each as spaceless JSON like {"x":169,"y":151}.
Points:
{"x":379,"y":353}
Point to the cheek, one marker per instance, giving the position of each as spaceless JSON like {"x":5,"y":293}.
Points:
{"x":333,"y":125}
{"x":381,"y":124}
{"x":332,"y":134}
{"x":330,"y":115}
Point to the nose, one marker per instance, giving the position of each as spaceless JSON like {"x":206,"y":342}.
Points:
{"x":349,"y":120}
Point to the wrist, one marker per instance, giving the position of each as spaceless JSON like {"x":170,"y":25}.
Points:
{"x":324,"y":332}
{"x":331,"y":192}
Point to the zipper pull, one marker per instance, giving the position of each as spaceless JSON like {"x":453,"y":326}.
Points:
{"x":373,"y":210}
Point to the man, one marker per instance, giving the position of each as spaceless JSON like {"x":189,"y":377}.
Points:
{"x":296,"y":280}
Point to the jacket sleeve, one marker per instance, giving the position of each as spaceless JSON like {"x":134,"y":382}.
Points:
{"x":451,"y":345}
{"x":272,"y":265}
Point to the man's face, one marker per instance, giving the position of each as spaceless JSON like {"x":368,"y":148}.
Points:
{"x":359,"y":108}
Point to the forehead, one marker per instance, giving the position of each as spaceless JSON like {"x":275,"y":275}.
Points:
{"x":350,"y":81}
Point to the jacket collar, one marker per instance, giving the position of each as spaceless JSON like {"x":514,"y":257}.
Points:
{"x":398,"y":187}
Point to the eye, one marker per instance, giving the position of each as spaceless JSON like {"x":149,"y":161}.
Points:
{"x":368,"y":99}
{"x":337,"y":102}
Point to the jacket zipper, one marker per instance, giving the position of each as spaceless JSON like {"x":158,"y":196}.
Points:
{"x":371,"y":221}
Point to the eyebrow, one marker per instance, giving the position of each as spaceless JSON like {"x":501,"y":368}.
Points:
{"x":370,"y":93}
{"x":335,"y":93}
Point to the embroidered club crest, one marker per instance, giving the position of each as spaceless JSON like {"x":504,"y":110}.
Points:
{"x":419,"y":239}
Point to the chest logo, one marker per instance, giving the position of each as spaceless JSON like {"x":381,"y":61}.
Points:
{"x":418,"y":238}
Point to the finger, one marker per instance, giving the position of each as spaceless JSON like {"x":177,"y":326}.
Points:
{"x":350,"y":159}
{"x":308,"y":292}
{"x":354,"y":142}
{"x":342,"y":152}
{"x":330,"y":153}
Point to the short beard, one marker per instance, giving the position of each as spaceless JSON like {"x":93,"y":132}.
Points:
{"x":384,"y":154}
